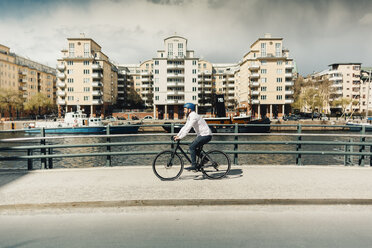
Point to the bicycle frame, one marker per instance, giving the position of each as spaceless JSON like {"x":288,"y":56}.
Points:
{"x":199,"y":156}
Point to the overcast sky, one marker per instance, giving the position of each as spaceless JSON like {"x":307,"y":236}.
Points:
{"x":316,"y":32}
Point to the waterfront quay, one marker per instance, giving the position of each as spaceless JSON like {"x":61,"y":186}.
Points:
{"x":138,"y":186}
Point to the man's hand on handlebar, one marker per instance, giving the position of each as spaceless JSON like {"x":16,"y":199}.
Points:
{"x":176,"y":138}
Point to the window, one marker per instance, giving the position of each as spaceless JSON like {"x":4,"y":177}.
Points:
{"x":86,"y":62}
{"x":86,"y":50}
{"x":70,"y":89}
{"x":194,"y":71}
{"x":279,"y":62}
{"x":279,"y":80}
{"x":70,"y":62}
{"x":156,"y":62}
{"x":194,"y":89}
{"x":263,"y":97}
{"x":264,"y":88}
{"x":86,"y":71}
{"x":170,"y":49}
{"x":263,"y":49}
{"x":263,"y":62}
{"x":263,"y":80}
{"x":277,"y":50}
{"x":157,"y":98}
{"x":86,"y":89}
{"x":279,"y":88}
{"x":279,"y":97}
{"x":194,"y":62}
{"x":70,"y":98}
{"x":156,"y":71}
{"x":263,"y":71}
{"x":71,"y":50}
{"x":70,"y":71}
{"x":86,"y":80}
{"x":194,"y":80}
{"x":156,"y":88}
{"x":279,"y":71}
{"x":70,"y":80}
{"x":86,"y":98}
{"x":180,"y":50}
{"x":194,"y":98}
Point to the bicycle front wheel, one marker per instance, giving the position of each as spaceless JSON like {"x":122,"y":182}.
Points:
{"x":216,"y":164}
{"x":167,"y":165}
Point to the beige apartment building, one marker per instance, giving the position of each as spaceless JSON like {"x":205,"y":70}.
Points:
{"x":346,"y":82}
{"x":265,"y":81}
{"x":25,"y":76}
{"x":86,"y":78}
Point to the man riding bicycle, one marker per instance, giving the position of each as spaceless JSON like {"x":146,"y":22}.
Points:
{"x":204,"y":134}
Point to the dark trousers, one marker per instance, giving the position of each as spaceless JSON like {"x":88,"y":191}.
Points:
{"x":198,"y":142}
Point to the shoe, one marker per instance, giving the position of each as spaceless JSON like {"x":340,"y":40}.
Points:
{"x":191,"y":168}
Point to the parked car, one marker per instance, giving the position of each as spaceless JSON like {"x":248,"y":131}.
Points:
{"x":134,"y":118}
{"x":291,"y":118}
{"x":147,"y":117}
{"x":121,"y":118}
{"x":110,"y":118}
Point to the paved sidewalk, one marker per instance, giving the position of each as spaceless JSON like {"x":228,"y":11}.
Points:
{"x":128,"y":186}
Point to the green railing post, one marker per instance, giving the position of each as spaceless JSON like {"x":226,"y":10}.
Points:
{"x":172,"y":131}
{"x":347,"y":158}
{"x":108,"y":148}
{"x":362,"y":147}
{"x":370,"y":157}
{"x":29,"y":160}
{"x":50,"y":160}
{"x":236,"y":130}
{"x":298,"y":146}
{"x":43,"y":150}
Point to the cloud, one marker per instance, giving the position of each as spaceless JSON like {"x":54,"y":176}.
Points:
{"x":317,"y":33}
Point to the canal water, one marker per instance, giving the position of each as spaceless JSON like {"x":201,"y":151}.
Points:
{"x":243,"y":159}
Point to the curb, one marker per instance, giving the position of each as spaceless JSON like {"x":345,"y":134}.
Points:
{"x":185,"y":202}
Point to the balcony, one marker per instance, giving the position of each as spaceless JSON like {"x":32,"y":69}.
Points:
{"x":289,"y":83}
{"x":175,"y":66}
{"x":61,"y":102}
{"x":175,"y":101}
{"x":96,"y":67}
{"x":255,"y":92}
{"x":289,"y":66}
{"x":175,"y":93}
{"x":288,"y":101}
{"x":96,"y":75}
{"x":61,"y":76}
{"x":97,"y":93}
{"x":231,"y":79}
{"x":288,"y":75}
{"x":181,"y":84}
{"x":24,"y":73}
{"x":337,"y":78}
{"x":145,"y":92}
{"x":61,"y":67}
{"x":254,"y":75}
{"x":23,"y":80}
{"x":289,"y":92}
{"x":120,"y":91}
{"x":23,"y":88}
{"x":61,"y":93}
{"x":145,"y":73}
{"x":231,"y":91}
{"x":121,"y":98}
{"x":25,"y":95}
{"x":255,"y":84}
{"x":61,"y":85}
{"x":255,"y":101}
{"x":96,"y":84}
{"x":254,"y":67}
{"x":97,"y":101}
{"x":145,"y":79}
{"x":174,"y":75}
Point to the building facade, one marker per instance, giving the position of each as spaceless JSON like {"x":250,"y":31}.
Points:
{"x":266,"y":78}
{"x":26,"y":76}
{"x":86,"y":78}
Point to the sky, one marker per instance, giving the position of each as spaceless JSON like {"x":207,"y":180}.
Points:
{"x":316,"y":32}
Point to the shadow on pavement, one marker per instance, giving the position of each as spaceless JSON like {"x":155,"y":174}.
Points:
{"x":234,"y":173}
{"x":8,"y":176}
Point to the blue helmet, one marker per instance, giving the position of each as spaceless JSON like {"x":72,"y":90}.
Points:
{"x":189,"y":105}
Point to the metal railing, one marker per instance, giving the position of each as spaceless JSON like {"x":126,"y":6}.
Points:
{"x":45,"y":152}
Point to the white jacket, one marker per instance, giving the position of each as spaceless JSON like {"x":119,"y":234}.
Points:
{"x":198,"y":123}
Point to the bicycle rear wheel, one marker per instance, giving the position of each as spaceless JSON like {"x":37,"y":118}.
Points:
{"x":216,"y":164}
{"x":167,"y":165}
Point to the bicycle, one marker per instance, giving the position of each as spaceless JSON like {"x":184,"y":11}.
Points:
{"x":168,"y":164}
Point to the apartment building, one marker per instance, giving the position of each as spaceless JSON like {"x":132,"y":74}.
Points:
{"x":225,"y":82}
{"x":86,"y":78}
{"x":266,"y":78}
{"x":25,"y":76}
{"x":366,"y":98}
{"x":346,"y":83}
{"x":175,"y":78}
